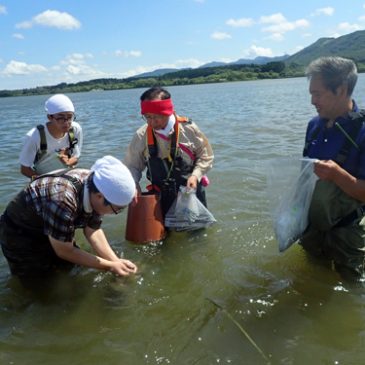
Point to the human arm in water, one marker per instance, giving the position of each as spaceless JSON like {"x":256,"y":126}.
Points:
{"x":105,"y":258}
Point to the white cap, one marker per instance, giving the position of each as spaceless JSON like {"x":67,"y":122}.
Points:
{"x":113,"y":179}
{"x":59,"y":103}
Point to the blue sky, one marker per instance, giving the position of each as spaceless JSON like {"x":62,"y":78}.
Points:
{"x":45,"y":42}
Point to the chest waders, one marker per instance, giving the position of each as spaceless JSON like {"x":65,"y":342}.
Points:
{"x":334,"y":228}
{"x":24,"y":244}
{"x":168,"y":174}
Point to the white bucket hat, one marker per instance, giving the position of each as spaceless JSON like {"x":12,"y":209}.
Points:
{"x":114,"y":180}
{"x":58,"y":103}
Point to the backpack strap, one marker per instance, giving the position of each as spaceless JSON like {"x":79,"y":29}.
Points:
{"x":357,"y":120}
{"x":43,"y":143}
{"x":72,"y":141}
{"x":62,"y":173}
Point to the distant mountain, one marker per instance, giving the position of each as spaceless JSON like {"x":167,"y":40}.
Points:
{"x":213,"y":64}
{"x":157,"y":73}
{"x":350,"y":46}
{"x":260,"y":60}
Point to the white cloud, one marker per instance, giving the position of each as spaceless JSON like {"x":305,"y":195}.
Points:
{"x":18,"y":36}
{"x":324,"y":11}
{"x":286,"y":26}
{"x":3,"y":9}
{"x":22,"y":68}
{"x":220,"y":36}
{"x":75,"y":64}
{"x":240,"y":23}
{"x":255,"y":51}
{"x":120,"y":53}
{"x":362,"y":18}
{"x":348,"y":28}
{"x":52,"y":19}
{"x":277,"y":25}
{"x":273,"y":19}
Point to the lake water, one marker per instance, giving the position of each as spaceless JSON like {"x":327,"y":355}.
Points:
{"x":295,"y":309}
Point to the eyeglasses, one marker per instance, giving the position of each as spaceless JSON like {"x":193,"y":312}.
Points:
{"x":64,"y":118}
{"x":146,"y":118}
{"x":115,"y":210}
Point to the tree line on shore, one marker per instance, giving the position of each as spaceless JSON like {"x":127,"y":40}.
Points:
{"x":228,"y":73}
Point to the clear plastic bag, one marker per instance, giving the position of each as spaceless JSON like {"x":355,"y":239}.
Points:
{"x":188,"y":212}
{"x":49,"y":163}
{"x":291,"y":214}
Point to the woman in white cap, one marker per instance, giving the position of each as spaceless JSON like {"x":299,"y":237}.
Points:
{"x":38,"y":226}
{"x":55,"y":145}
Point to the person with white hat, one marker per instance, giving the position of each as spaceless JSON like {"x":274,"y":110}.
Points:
{"x":38,"y":226}
{"x":55,"y":145}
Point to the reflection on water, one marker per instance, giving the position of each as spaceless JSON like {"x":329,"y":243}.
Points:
{"x":296,"y":309}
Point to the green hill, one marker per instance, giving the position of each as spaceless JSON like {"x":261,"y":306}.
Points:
{"x":349,"y":46}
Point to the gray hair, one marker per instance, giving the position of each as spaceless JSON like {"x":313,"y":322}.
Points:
{"x":334,"y":71}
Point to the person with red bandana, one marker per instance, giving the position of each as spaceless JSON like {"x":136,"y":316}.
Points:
{"x":54,"y":145}
{"x":172,"y":148}
{"x":336,"y":137}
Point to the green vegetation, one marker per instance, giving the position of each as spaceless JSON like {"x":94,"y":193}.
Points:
{"x":271,"y":70}
{"x":351,"y":46}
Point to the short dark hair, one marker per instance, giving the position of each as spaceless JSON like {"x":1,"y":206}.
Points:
{"x":334,"y":71}
{"x":154,"y":93}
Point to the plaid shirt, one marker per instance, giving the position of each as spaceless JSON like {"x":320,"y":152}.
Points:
{"x":60,"y":205}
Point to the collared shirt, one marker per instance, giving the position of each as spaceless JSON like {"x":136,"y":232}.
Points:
{"x":194,"y":148}
{"x":328,"y":142}
{"x":61,"y":207}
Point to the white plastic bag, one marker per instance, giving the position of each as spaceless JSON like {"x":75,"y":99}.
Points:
{"x":291,"y":214}
{"x":188,"y":212}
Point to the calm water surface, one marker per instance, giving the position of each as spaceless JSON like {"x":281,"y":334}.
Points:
{"x":296,"y":310}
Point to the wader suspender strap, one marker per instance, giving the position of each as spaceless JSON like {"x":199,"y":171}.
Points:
{"x":152,"y":148}
{"x":152,"y":143}
{"x":357,"y":119}
{"x":43,"y":143}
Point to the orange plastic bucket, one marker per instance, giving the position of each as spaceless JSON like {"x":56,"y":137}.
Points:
{"x":145,"y":220}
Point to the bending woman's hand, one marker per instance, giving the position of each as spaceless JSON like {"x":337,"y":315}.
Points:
{"x":123,"y":267}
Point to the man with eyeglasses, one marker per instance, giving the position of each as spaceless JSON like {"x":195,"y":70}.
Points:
{"x":55,"y":145}
{"x":172,"y":148}
{"x":37,"y":229}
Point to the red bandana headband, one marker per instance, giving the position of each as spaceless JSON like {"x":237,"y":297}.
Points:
{"x":162,"y":107}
